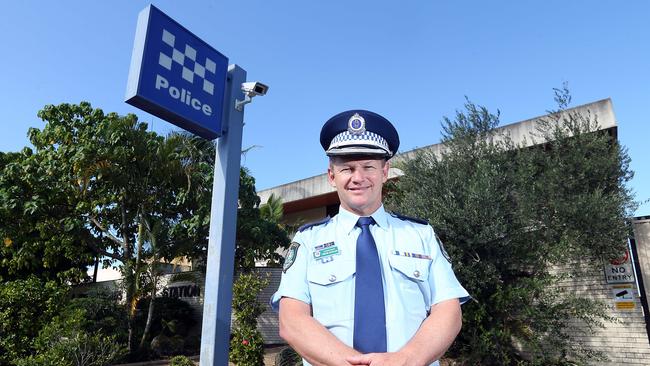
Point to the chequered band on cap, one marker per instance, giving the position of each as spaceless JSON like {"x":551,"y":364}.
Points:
{"x":367,"y":138}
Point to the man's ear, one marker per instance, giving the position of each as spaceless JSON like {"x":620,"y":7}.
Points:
{"x":384,"y":170}
{"x":330,"y":176}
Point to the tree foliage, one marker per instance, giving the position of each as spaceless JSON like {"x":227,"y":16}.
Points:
{"x":87,"y":187}
{"x":40,"y":232}
{"x":101,"y":186}
{"x":26,"y":306}
{"x":511,"y":215}
{"x":272,"y":209}
{"x":259,"y":233}
{"x":93,"y":183}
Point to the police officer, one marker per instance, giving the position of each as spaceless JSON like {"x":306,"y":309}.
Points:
{"x":367,"y":287}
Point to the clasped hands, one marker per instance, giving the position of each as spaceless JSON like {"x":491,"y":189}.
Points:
{"x":383,"y":359}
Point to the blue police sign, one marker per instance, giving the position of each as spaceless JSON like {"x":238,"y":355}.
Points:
{"x":176,"y":76}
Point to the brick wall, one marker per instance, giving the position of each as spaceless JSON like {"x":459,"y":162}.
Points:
{"x":267,"y":323}
{"x":624,"y":341}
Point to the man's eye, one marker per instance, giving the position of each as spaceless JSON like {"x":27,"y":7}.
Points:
{"x":345,"y":170}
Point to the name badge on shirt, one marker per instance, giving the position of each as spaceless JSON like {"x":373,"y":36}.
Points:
{"x":325,"y":252}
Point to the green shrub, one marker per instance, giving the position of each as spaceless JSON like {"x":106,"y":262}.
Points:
{"x":288,"y":357}
{"x":170,"y":324}
{"x":102,"y":313}
{"x":75,"y":348}
{"x":166,"y":309}
{"x":246,"y":346}
{"x":246,"y":342}
{"x":167,"y":345}
{"x":516,"y":221}
{"x":78,"y":335}
{"x":181,"y":361}
{"x":25,"y":307}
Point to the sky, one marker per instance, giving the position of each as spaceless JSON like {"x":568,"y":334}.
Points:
{"x":414,"y":62}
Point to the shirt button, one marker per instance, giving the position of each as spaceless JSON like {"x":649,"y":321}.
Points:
{"x":416,"y":274}
{"x":332,"y":278}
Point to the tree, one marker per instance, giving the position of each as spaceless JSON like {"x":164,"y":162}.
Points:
{"x":100,"y":186}
{"x":508,"y":215}
{"x":258,"y":235}
{"x":272,"y":210}
{"x":91,"y":186}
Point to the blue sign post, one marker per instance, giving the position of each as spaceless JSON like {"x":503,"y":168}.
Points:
{"x":217,"y":301}
{"x":179,"y":78}
{"x":176,"y":76}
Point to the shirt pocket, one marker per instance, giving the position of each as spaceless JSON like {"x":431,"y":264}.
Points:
{"x":331,"y":287}
{"x":411,"y":284}
{"x":414,"y":269}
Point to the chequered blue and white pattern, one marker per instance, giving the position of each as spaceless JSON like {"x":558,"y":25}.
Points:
{"x":187,"y":60}
{"x":367,"y":138}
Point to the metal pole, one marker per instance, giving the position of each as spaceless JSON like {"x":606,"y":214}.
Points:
{"x":217,"y":297}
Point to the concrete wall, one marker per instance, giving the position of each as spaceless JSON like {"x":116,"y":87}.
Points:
{"x":642,"y":238}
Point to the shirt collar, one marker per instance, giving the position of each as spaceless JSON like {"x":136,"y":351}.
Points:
{"x":348,"y":220}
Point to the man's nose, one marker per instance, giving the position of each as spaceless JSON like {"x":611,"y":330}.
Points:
{"x":357,"y":175}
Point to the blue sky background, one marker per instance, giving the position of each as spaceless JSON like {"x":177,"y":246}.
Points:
{"x":411,"y":61}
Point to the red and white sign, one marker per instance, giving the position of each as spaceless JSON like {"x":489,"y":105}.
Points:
{"x":620,"y":270}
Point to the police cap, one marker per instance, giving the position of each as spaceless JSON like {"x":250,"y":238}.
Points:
{"x":359,"y":132}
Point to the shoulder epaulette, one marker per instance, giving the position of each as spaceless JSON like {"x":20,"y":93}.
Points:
{"x":315,"y":223}
{"x":407,"y":218}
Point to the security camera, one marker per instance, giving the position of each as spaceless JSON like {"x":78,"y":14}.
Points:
{"x":254,"y":88}
{"x":251,"y":89}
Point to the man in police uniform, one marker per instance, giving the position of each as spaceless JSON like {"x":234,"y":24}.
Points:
{"x":367,"y":287}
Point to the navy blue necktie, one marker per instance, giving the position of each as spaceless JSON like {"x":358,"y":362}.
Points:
{"x":369,"y":308}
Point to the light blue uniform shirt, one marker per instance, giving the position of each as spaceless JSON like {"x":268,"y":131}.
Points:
{"x":415,"y":274}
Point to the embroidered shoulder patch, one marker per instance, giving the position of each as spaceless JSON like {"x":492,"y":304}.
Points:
{"x":442,"y":249}
{"x":292,"y":253}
